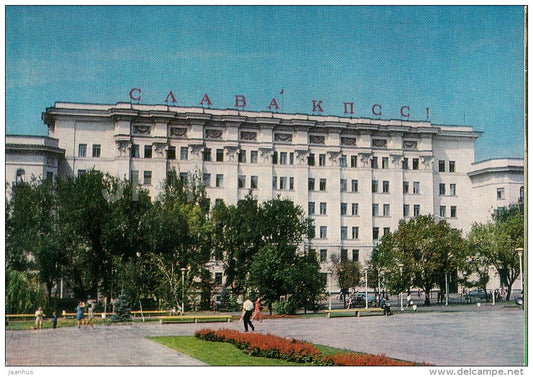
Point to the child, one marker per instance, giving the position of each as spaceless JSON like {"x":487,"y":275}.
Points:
{"x":38,"y":319}
{"x":54,"y":320}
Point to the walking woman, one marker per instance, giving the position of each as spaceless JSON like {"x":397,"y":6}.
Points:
{"x":257,"y":310}
{"x":79,"y":313}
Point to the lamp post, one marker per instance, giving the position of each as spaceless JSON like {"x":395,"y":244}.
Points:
{"x":366,"y":287}
{"x":401,"y":280}
{"x":330,"y":273}
{"x":447,"y":288}
{"x":183,"y":269}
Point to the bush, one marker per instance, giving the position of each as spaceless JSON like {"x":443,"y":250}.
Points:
{"x":287,"y":307}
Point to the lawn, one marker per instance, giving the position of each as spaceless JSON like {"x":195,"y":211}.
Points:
{"x":216,"y":353}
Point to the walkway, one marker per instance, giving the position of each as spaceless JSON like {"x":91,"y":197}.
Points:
{"x":487,"y":336}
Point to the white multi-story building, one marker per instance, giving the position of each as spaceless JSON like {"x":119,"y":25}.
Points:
{"x":356,"y":178}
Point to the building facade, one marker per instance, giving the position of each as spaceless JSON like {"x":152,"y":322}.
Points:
{"x":356,"y":178}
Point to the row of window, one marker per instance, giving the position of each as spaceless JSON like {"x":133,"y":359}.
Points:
{"x":323,"y":232}
{"x":323,"y":255}
{"x":281,"y":158}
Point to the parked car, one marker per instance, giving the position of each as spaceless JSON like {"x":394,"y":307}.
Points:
{"x":358,"y":298}
{"x":477,"y":294}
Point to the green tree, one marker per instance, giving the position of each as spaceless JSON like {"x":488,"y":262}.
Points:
{"x":348,"y":275}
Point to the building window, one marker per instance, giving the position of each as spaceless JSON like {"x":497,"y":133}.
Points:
{"x":322,"y":184}
{"x":451,"y":166}
{"x":283,"y":183}
{"x":386,"y":230}
{"x":452,"y":189}
{"x":521,"y":195}
{"x":355,"y":255}
{"x":375,"y":209}
{"x":241,"y":181}
{"x":386,"y":186}
{"x":442,"y":211}
{"x":384,"y":162}
{"x":184,"y":153}
{"x":134,"y":151}
{"x":207,"y":180}
{"x":81,"y":172}
{"x":311,"y":208}
{"x":96,"y":150}
{"x":147,"y":151}
{"x":342,"y":161}
{"x":442,"y":189}
{"x":355,"y":209}
{"x":291,"y":158}
{"x":355,"y":185}
{"x":374,"y":186}
{"x":406,"y":210}
{"x":207,"y":154}
{"x":500,"y":193}
{"x":405,"y":164}
{"x":323,"y":232}
{"x":147,"y":177}
{"x":321,"y":160}
{"x":453,"y":212}
{"x":220,"y":155}
{"x":312,"y":231}
{"x":311,"y":159}
{"x":323,"y":255}
{"x":253,"y":157}
{"x":344,"y":208}
{"x":274,"y":182}
{"x":253,"y":182}
{"x":416,"y":187}
{"x":343,"y":185}
{"x":355,"y":232}
{"x":374,"y":163}
{"x":375,"y":233}
{"x":323,"y":208}
{"x":184,"y":177}
{"x":415,"y":163}
{"x":416,"y":210}
{"x":242,"y":156}
{"x":386,"y":210}
{"x":171,"y":153}
{"x":219,"y":180}
{"x":311,"y":184}
{"x":275,"y":157}
{"x":218,"y":278}
{"x":344,"y":255}
{"x":291,"y":183}
{"x":442,"y":166}
{"x":405,"y":187}
{"x":353,"y":161}
{"x":344,"y":232}
{"x":82,"y":150}
{"x":283,"y":158}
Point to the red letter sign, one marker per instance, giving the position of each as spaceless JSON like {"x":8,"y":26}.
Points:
{"x":240,"y":100}
{"x":376,"y":113}
{"x":171,"y":95}
{"x":205,"y":98}
{"x":402,"y":111}
{"x":317,"y":107}
{"x":137,"y":90}
{"x":346,"y":107}
{"x":273,"y":103}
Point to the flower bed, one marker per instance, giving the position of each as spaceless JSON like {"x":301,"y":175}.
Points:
{"x":266,"y":345}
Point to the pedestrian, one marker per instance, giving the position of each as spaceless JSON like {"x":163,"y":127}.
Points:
{"x":80,"y":309}
{"x":39,"y":319}
{"x":247,"y":309}
{"x":89,"y":320}
{"x":54,"y":320}
{"x":257,"y":311}
{"x":409,"y":300}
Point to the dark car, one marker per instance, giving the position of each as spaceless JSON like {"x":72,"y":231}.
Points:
{"x":478,"y":294}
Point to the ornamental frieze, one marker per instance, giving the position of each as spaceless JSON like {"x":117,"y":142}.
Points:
{"x":248,"y":136}
{"x":410,"y":144}
{"x":213,"y":134}
{"x":317,"y":139}
{"x":348,"y":141}
{"x":284,"y":138}
{"x":178,"y":132}
{"x":379,"y":143}
{"x":141,"y":130}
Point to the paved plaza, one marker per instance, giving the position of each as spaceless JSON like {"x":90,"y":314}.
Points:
{"x":487,"y":336}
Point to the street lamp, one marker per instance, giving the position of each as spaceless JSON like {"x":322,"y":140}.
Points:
{"x":366,"y":287}
{"x":401,"y":280}
{"x":330,"y":274}
{"x":183,"y":269}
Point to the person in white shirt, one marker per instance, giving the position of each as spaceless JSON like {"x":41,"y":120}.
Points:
{"x":247,"y":310}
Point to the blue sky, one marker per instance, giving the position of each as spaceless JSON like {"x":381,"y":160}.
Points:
{"x":463,"y":62}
